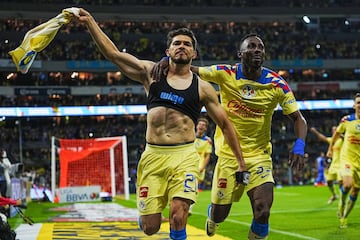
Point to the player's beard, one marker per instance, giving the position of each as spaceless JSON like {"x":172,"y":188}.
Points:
{"x":181,"y":60}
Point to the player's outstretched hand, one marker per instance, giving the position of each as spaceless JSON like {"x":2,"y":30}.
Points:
{"x":242,"y":177}
{"x":83,"y":15}
{"x":296,"y":155}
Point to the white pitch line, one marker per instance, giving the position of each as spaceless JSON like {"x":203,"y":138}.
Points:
{"x":334,"y":208}
{"x":277,"y":231}
{"x":300,"y":236}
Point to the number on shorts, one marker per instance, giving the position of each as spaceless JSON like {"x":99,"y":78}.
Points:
{"x":190,"y":183}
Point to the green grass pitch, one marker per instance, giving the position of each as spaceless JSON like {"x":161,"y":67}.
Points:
{"x":299,"y":212}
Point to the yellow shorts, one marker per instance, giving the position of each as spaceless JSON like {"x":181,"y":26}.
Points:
{"x":165,"y":172}
{"x":347,"y":169}
{"x":332,"y":174}
{"x":225,"y":190}
{"x":202,"y":176}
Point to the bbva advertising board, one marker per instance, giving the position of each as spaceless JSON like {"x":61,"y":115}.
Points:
{"x":79,"y":194}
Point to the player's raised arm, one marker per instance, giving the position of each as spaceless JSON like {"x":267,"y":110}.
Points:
{"x":128,"y":64}
{"x":319,"y":135}
{"x":334,"y":138}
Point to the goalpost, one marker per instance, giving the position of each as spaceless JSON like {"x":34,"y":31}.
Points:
{"x":94,"y":161}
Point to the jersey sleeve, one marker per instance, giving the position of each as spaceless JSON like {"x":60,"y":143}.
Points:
{"x":341,"y":127}
{"x":213,"y":73}
{"x":209,"y":145}
{"x":288,"y":102}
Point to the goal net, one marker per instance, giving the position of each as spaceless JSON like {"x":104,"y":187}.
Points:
{"x":87,"y":162}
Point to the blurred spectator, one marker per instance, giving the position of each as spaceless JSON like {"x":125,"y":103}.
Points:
{"x":321,"y":166}
{"x":5,"y":167}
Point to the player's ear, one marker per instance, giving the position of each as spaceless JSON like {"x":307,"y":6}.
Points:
{"x":239,"y":54}
{"x":195,"y":55}
{"x":167,"y":52}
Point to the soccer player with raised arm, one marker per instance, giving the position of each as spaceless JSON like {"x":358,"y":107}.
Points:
{"x":350,"y":160}
{"x":249,"y":93}
{"x":332,"y":174}
{"x":168,"y":170}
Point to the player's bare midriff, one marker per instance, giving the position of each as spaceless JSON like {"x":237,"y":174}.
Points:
{"x":167,"y":126}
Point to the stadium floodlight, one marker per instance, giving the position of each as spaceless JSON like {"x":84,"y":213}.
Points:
{"x":306,"y":19}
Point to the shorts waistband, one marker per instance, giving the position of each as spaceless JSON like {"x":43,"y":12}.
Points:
{"x":170,"y":145}
{"x":170,"y":148}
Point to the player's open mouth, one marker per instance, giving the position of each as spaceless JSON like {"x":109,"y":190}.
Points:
{"x":180,"y":54}
{"x":257,"y":58}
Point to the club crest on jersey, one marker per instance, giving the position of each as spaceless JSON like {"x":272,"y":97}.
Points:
{"x":143,"y":192}
{"x":142,"y":205}
{"x":248,"y":91}
{"x":220,"y":194}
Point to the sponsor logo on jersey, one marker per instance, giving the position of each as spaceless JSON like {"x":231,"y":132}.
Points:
{"x":143,"y":193}
{"x":222,"y":182}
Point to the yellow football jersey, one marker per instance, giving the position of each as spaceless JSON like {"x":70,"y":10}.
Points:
{"x":203,"y":145}
{"x":350,"y":150}
{"x":335,"y":162}
{"x":250,"y":105}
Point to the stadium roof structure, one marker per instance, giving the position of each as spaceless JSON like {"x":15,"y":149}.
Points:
{"x":266,"y":12}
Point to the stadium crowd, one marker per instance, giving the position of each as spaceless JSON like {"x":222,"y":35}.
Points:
{"x":330,"y":39}
{"x":143,"y":39}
